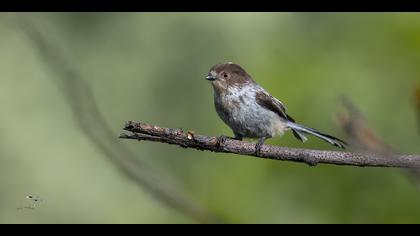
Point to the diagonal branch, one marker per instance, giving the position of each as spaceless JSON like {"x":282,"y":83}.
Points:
{"x":364,"y":137}
{"x":92,"y":123}
{"x":356,"y":127}
{"x":146,"y":132}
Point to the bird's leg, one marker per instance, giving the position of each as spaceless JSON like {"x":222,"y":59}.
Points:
{"x":258,"y":145}
{"x":238,"y":137}
{"x":220,"y":142}
{"x":222,"y":139}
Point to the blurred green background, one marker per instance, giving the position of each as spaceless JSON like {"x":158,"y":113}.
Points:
{"x":150,"y":67}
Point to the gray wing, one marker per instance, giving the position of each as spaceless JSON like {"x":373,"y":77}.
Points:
{"x":271,"y":103}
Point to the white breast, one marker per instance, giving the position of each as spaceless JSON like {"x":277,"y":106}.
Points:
{"x":247,"y":117}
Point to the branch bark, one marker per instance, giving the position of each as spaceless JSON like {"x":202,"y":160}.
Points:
{"x":147,"y":132}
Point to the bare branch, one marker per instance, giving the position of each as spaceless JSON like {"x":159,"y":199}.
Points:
{"x":142,"y":131}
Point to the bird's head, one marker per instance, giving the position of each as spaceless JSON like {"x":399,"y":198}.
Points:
{"x":225,"y":75}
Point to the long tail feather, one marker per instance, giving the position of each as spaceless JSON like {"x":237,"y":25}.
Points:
{"x":298,"y":129}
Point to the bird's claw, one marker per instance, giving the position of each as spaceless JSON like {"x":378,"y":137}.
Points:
{"x":258,"y":149}
{"x":259,"y":145}
{"x":221,"y":142}
{"x":239,"y":138}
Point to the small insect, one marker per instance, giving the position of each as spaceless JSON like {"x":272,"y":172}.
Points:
{"x":35,"y":200}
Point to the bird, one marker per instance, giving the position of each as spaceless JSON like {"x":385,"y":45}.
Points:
{"x":251,"y":112}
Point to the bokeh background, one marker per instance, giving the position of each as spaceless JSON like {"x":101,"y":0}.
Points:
{"x":150,"y":67}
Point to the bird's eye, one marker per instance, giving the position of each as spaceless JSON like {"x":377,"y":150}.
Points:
{"x":225,"y":75}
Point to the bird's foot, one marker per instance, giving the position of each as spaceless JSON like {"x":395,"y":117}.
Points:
{"x":258,"y":149}
{"x":259,"y":145}
{"x":237,"y":137}
{"x":221,"y":142}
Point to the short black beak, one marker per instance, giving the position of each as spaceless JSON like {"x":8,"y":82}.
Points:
{"x":210,"y":78}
